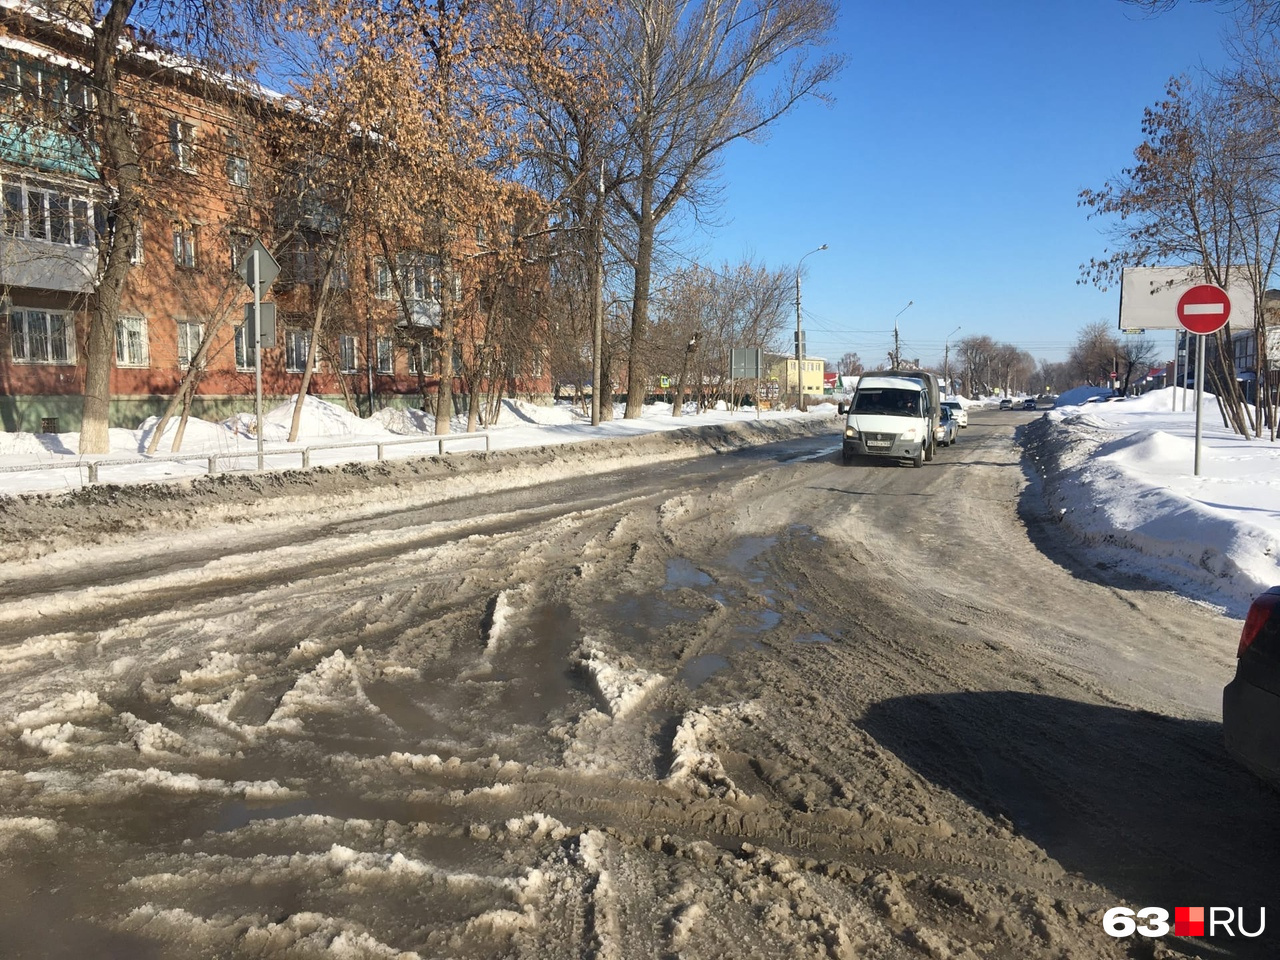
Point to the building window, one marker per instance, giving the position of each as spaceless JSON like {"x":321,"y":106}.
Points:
{"x":135,"y":255}
{"x":346,"y":354}
{"x":385,"y":355}
{"x":184,"y":245}
{"x":417,"y":353}
{"x":131,"y":342}
{"x":42,"y":336}
{"x":189,"y":335}
{"x":418,"y":273}
{"x":381,"y":279}
{"x":13,"y":205}
{"x":341,"y":273}
{"x":237,"y":162}
{"x":241,"y":244}
{"x":43,"y":86}
{"x":246,"y":349}
{"x":10,"y":78}
{"x":303,"y":263}
{"x":182,"y":138}
{"x":297,"y":343}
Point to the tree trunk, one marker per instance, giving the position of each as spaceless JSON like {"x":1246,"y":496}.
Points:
{"x":95,"y":419}
{"x":444,"y":393}
{"x":473,"y":407}
{"x":120,"y":156}
{"x":640,"y":305}
{"x":295,"y":425}
{"x":186,"y":389}
{"x":182,"y":420}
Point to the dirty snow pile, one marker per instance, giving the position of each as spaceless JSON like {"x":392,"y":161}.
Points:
{"x":1121,"y":477}
{"x":520,"y":424}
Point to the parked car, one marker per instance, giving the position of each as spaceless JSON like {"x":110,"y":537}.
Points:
{"x":1006,"y":404}
{"x":1029,"y":403}
{"x":1251,"y":702}
{"x":960,"y":413}
{"x":948,"y":431}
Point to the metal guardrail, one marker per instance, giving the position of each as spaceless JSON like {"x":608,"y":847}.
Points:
{"x":212,"y":459}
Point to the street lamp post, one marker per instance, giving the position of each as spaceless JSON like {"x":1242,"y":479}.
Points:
{"x":946,"y":358}
{"x":800,"y":335}
{"x":897,"y":351}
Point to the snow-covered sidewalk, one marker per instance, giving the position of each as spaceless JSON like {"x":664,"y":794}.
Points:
{"x":1119,"y":475}
{"x":520,"y":425}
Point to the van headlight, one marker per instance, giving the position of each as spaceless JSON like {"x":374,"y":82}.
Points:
{"x":909,"y":433}
{"x":851,"y":433}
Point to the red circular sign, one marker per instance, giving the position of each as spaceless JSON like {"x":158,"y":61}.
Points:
{"x":1204,"y":309}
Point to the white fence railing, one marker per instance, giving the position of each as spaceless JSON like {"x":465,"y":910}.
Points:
{"x":211,"y":460}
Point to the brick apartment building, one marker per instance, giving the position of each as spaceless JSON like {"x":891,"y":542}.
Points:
{"x":208,"y":170}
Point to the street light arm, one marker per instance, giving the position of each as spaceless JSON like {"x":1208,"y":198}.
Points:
{"x":799,"y":348}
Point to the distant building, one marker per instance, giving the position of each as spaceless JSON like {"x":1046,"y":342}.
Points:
{"x":783,"y":369}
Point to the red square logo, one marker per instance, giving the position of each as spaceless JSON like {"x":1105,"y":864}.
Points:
{"x":1188,"y":921}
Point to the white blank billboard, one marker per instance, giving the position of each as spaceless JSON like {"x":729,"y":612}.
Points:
{"x":1149,"y":296}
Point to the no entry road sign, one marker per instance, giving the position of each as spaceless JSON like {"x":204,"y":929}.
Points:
{"x":1204,"y":309}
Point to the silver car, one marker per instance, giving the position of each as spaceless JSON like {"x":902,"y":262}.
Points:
{"x":960,"y":414}
{"x":948,"y":431}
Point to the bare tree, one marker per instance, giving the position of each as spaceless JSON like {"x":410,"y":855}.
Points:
{"x":1052,"y":377}
{"x":1134,"y":359}
{"x":1254,"y":11}
{"x":689,"y":69}
{"x":222,"y":37}
{"x":850,"y":365}
{"x":1095,"y":354}
{"x":1196,"y":195}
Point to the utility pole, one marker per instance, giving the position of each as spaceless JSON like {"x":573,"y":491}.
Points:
{"x":897,"y":351}
{"x":946,"y":359}
{"x":800,"y":335}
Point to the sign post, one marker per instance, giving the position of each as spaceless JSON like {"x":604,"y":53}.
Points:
{"x":745,"y":363}
{"x":258,"y":269}
{"x":1204,"y":309}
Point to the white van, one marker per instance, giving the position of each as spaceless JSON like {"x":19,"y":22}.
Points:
{"x":888,"y":417}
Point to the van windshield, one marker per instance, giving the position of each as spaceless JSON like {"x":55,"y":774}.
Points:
{"x":897,"y":403}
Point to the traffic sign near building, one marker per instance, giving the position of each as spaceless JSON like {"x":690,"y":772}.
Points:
{"x":1149,"y":296}
{"x":1176,"y":298}
{"x":1204,"y":309}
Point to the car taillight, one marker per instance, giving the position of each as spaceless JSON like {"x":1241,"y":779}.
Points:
{"x":1260,"y":613}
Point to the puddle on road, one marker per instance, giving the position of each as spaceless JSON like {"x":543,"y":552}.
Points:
{"x":239,"y":813}
{"x":741,"y":557}
{"x":464,"y":707}
{"x":536,"y":659}
{"x":813,"y":638}
{"x":638,"y":614}
{"x":682,"y":573}
{"x":699,"y":670}
{"x":766,"y":620}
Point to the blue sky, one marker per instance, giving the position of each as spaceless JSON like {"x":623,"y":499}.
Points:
{"x":948,"y":169}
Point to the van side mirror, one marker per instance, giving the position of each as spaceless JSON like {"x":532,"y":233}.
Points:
{"x":842,"y":407}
